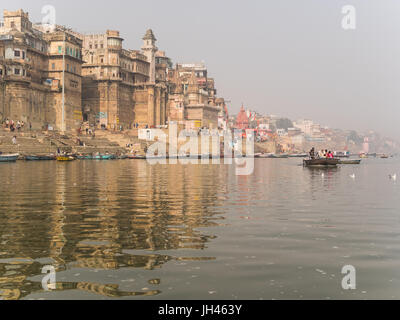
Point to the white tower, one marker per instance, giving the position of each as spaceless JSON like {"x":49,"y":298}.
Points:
{"x":149,"y":49}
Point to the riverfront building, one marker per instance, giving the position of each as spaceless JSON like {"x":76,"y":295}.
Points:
{"x":32,"y":77}
{"x":56,"y":78}
{"x":192,"y":99}
{"x":120,"y":87}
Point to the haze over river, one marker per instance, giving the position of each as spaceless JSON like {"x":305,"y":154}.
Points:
{"x":129,"y":230}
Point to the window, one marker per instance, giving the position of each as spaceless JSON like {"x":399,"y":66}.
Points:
{"x":67,"y":67}
{"x":59,"y":49}
{"x":90,"y":46}
{"x":17,"y":71}
{"x":23,"y":72}
{"x":17,"y":53}
{"x":12,"y":24}
{"x":73,"y":84}
{"x":53,"y":66}
{"x":1,"y":72}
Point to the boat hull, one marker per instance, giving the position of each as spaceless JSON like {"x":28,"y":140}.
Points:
{"x":349,"y":161}
{"x":321,"y":162}
{"x":98,"y":157}
{"x":65,"y":159}
{"x":40,"y":158}
{"x":9,"y":157}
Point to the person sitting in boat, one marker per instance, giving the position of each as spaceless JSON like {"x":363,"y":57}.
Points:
{"x":312,"y":153}
{"x":330,"y":155}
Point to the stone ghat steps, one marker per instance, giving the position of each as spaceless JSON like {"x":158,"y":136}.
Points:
{"x":27,"y":150}
{"x":23,"y":142}
{"x":99,"y":142}
{"x":38,"y":142}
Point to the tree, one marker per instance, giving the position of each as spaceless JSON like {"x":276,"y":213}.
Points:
{"x":284,"y":124}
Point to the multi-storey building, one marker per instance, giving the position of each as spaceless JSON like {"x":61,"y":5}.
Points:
{"x":35,"y":65}
{"x":55,"y":77}
{"x":192,"y":98}
{"x":163,"y":64}
{"x":118,"y":90}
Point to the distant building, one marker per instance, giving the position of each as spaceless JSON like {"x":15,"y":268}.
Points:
{"x":223,"y":116}
{"x":32,"y":73}
{"x":294,"y":132}
{"x":281,"y":132}
{"x":242,"y":120}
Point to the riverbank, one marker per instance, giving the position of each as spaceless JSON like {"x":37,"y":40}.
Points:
{"x":37,"y":142}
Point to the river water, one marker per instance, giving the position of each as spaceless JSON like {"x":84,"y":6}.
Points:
{"x":129,"y":230}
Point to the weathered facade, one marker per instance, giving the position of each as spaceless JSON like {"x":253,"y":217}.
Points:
{"x":192,"y":99}
{"x":32,"y":74}
{"x":120,"y":87}
{"x":54,"y":77}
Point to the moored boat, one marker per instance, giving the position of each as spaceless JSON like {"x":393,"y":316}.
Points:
{"x":298,"y":155}
{"x":9,"y":157}
{"x":97,"y":157}
{"x":40,"y":158}
{"x":349,"y":161}
{"x":65,"y":158}
{"x":321,"y":162}
{"x":341,"y":154}
{"x":107,"y":157}
{"x":281,"y":156}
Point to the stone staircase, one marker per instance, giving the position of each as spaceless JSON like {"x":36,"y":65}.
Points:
{"x":38,"y":143}
{"x":27,"y":143}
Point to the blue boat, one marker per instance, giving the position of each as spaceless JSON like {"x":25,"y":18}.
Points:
{"x":40,"y":158}
{"x":108,"y":157}
{"x":9,"y":157}
{"x":97,"y":157}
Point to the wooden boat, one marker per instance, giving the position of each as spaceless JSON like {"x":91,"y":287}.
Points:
{"x":40,"y":158}
{"x":65,"y":158}
{"x":267,"y":156}
{"x":363,"y":156}
{"x":384,"y":156}
{"x":301,"y":155}
{"x":9,"y":157}
{"x":321,"y":162}
{"x":341,"y":154}
{"x":349,"y":161}
{"x":97,"y":157}
{"x":280,"y":156}
{"x":107,"y":157}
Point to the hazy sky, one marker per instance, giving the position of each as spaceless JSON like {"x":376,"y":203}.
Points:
{"x":285,"y":57}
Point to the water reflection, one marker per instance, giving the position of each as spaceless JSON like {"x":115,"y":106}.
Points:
{"x":98,"y":216}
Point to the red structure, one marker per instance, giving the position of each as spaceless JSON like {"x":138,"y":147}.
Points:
{"x":242,"y":121}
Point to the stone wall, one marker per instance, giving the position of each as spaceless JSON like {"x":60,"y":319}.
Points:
{"x":207,"y":115}
{"x":150,"y":105}
{"x":21,"y":101}
{"x":108,"y":103}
